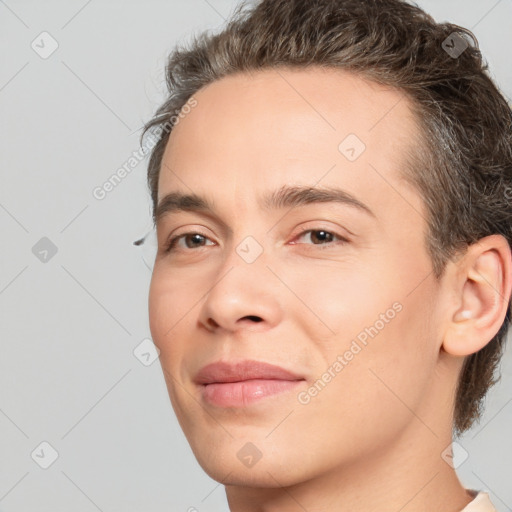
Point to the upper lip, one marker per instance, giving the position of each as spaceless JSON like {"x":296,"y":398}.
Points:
{"x":223,"y":371}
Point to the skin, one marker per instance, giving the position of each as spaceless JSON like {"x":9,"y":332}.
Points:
{"x":372,"y":439}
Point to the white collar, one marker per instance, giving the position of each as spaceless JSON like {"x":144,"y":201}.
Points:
{"x":481,"y":503}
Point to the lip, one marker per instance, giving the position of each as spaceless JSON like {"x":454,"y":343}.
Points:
{"x":224,"y":371}
{"x":239,"y":384}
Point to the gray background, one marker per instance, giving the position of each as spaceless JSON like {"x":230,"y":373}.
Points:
{"x":69,"y":325}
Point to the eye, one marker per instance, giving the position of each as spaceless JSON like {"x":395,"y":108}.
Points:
{"x":322,"y":237}
{"x":192,"y":240}
{"x":195,"y":240}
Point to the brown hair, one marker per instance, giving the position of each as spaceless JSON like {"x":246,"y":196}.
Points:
{"x":463,"y":165}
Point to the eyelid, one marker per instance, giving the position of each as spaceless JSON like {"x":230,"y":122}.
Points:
{"x":175,"y":237}
{"x":341,"y":239}
{"x":176,"y":234}
{"x":319,"y":225}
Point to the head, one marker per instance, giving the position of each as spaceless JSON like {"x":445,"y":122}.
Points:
{"x":410,"y":273}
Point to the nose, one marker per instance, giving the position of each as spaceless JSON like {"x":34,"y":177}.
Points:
{"x":244,"y":296}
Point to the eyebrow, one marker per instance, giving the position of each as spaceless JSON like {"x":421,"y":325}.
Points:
{"x":284,"y":197}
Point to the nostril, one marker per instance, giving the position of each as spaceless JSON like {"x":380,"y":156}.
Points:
{"x":254,"y":318}
{"x":212,"y":323}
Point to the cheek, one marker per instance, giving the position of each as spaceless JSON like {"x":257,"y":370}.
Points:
{"x":338,"y":301}
{"x":170,"y":316}
{"x":371,"y":399}
{"x":170,"y":308}
{"x":379,"y":328}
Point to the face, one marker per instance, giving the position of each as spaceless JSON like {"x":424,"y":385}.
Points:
{"x":336,"y":290}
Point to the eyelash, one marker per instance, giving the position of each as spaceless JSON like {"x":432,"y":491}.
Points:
{"x":170,"y":245}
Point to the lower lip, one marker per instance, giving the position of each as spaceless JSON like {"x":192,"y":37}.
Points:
{"x":240,"y":394}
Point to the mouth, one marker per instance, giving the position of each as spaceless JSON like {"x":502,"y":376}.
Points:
{"x":240,"y":384}
{"x":243,"y":393}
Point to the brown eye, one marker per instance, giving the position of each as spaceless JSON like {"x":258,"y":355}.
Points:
{"x":192,"y":240}
{"x":322,"y":237}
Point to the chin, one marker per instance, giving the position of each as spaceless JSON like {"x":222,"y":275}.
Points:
{"x":269,"y":474}
{"x":241,"y":462}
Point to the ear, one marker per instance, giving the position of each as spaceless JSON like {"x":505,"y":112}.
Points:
{"x":480,"y":284}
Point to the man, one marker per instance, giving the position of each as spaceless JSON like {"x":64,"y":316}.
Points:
{"x":331,"y":190}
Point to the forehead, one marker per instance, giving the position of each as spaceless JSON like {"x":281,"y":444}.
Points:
{"x":258,"y":131}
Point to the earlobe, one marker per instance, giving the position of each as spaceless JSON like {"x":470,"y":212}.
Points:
{"x":482,"y":289}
